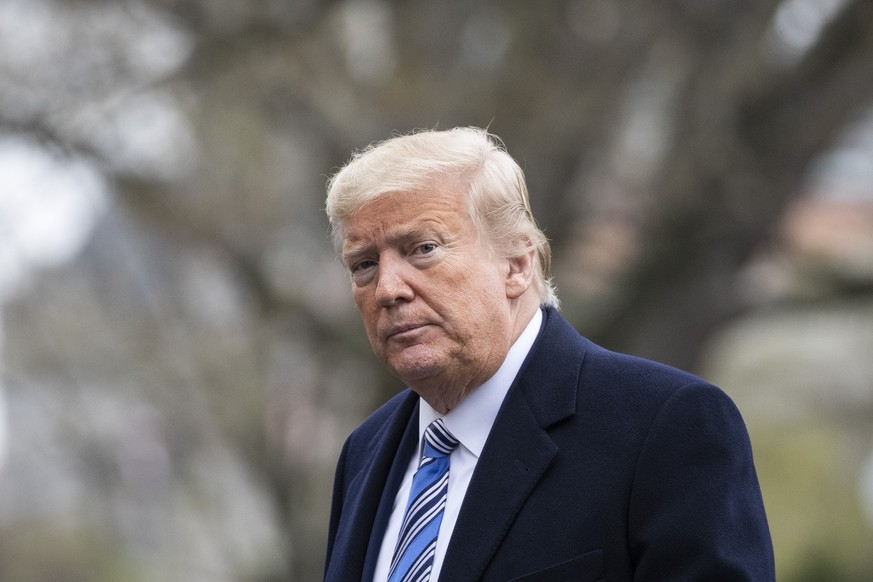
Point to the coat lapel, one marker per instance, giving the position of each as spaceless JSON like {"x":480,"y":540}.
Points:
{"x":367,"y":493}
{"x":405,"y":451}
{"x":519,"y":449}
{"x":504,"y":477}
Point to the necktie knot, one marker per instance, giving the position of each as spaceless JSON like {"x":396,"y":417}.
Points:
{"x":438,"y":441}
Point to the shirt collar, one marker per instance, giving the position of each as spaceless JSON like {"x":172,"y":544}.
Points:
{"x":471,"y":421}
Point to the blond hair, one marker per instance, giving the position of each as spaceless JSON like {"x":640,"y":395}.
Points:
{"x":465,"y":159}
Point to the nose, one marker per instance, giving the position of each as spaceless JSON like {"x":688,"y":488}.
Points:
{"x":393,"y":285}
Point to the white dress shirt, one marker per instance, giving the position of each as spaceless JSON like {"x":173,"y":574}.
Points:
{"x":470,"y":422}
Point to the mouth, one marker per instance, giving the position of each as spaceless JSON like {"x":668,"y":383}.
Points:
{"x":398,"y":332}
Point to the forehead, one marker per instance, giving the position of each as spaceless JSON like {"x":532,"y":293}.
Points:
{"x":399,"y":214}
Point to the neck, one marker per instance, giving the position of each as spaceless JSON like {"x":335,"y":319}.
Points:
{"x":443,"y":398}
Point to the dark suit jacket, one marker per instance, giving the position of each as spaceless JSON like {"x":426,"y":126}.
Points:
{"x":600,"y":466}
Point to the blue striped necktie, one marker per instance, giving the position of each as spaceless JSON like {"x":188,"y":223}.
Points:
{"x":416,"y":544}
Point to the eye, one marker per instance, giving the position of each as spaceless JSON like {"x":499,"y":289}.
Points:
{"x":425,"y":248}
{"x":362,"y":266}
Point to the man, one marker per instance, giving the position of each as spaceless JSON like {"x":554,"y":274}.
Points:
{"x":520,"y":451}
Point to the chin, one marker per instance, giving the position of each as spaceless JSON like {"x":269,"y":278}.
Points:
{"x":413,"y":374}
{"x":412,"y":370}
{"x":417,"y":372}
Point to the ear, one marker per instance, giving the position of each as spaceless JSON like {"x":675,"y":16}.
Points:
{"x":520,"y":276}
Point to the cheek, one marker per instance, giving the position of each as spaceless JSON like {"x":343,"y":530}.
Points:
{"x":365,"y":308}
{"x":359,"y":299}
{"x":476,"y":295}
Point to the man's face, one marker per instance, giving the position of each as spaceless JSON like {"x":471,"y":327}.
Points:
{"x":432,"y":296}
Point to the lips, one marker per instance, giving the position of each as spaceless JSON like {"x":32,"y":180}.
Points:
{"x":399,"y":330}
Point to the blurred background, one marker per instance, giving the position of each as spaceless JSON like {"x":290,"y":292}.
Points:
{"x":180,"y":357}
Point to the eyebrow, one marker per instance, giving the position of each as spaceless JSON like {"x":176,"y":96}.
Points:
{"x":354,"y":253}
{"x":360,"y":249}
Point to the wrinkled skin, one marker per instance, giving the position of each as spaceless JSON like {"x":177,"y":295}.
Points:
{"x":439,"y":307}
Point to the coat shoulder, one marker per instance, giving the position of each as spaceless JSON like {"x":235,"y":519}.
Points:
{"x":599,"y":369}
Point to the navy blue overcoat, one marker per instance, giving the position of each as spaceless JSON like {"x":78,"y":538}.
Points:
{"x":600,"y":466}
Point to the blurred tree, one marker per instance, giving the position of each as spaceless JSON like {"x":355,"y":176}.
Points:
{"x":180,"y":391}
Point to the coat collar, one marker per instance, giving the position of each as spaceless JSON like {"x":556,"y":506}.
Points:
{"x":519,"y":449}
